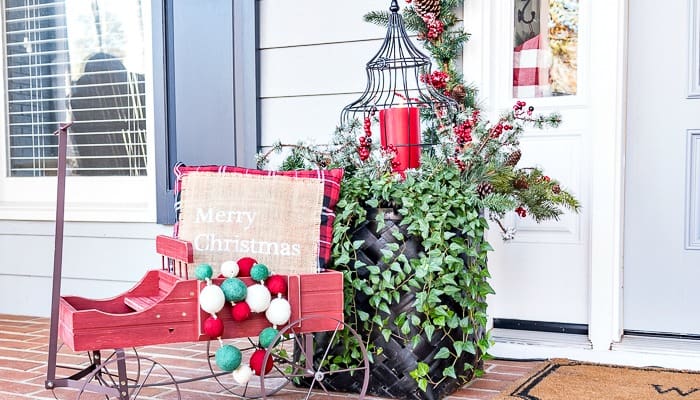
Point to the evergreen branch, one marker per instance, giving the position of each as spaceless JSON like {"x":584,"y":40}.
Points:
{"x":380,"y":18}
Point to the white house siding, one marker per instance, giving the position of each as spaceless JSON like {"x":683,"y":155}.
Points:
{"x":99,"y":260}
{"x":312,"y":59}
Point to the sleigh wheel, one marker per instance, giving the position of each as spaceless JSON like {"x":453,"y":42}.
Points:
{"x":307,"y":363}
{"x":75,"y":366}
{"x":110,"y":380}
{"x":251,"y":389}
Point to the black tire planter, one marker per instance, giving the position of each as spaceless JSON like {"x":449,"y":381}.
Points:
{"x":390,"y":371}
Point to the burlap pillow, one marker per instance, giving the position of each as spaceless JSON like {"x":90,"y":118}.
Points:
{"x":243,"y":212}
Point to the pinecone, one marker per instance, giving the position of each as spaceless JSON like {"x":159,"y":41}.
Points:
{"x":556,"y":189}
{"x":424,"y":7}
{"x":459,"y":93}
{"x":484,"y":189}
{"x":520,"y":183}
{"x":513,"y":158}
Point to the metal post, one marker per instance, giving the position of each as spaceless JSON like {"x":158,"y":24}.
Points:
{"x":62,"y":133}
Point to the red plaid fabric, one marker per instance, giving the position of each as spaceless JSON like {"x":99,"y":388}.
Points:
{"x":530,"y":69}
{"x":331,"y":184}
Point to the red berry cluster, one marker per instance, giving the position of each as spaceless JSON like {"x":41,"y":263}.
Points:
{"x":544,"y":178}
{"x":434,"y":25}
{"x":498,"y":129}
{"x":521,"y":211}
{"x":391,"y":152}
{"x":437,"y":79}
{"x":463,"y":132}
{"x":518,"y":108}
{"x":365,"y":141}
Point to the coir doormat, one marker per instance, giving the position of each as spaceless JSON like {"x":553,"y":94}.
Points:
{"x":571,"y":380}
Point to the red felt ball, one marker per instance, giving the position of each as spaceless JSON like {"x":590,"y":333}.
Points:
{"x":245,"y":264}
{"x":256,"y":361}
{"x":213,"y":327}
{"x":240,"y":311}
{"x":276,"y":284}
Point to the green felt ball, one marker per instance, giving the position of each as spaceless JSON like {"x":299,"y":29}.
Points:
{"x":234,"y":289}
{"x":259,"y":272}
{"x":203,"y":272}
{"x":228,"y":358}
{"x":266,"y":337}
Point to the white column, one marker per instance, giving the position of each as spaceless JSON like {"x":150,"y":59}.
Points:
{"x":608,"y":98}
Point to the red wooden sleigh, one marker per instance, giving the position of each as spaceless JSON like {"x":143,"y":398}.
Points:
{"x":163,"y":307}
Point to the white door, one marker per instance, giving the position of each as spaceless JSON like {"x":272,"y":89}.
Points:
{"x":662,"y":178}
{"x":543,"y":274}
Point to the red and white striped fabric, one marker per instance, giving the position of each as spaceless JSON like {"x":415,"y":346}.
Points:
{"x":531,"y":69}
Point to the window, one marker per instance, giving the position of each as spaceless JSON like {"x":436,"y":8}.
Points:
{"x":545,"y":48}
{"x":90,"y":62}
{"x":76,"y":60}
{"x":147,"y":83}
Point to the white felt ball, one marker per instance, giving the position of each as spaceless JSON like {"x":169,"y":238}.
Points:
{"x":242,"y":374}
{"x":258,"y":298}
{"x":229,"y":269}
{"x":279,"y":311}
{"x":212,"y":299}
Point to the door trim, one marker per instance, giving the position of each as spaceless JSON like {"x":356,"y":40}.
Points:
{"x":609,"y":26}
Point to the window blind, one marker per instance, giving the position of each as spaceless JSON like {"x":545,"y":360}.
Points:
{"x":78,"y":60}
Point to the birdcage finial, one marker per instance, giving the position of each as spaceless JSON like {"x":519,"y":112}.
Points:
{"x":394,"y":6}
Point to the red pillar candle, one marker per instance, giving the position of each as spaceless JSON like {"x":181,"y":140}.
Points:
{"x":400,"y":126}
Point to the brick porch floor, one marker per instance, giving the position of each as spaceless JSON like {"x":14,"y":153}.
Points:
{"x":23,"y":354}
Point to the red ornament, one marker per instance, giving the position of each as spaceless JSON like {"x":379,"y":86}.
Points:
{"x":213,"y":327}
{"x":276,"y":284}
{"x":256,"y":361}
{"x":245,"y":264}
{"x":240,"y":311}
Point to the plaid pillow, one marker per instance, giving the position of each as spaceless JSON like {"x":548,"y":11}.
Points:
{"x":331,"y":184}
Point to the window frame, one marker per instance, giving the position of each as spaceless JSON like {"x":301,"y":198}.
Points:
{"x":147,"y":198}
{"x":114,"y":198}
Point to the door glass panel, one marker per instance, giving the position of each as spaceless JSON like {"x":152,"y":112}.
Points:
{"x":545,"y":48}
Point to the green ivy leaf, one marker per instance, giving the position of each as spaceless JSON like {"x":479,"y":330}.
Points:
{"x":362,"y":315}
{"x":429,"y":330}
{"x":386,"y":333}
{"x":422,"y":384}
{"x":442,"y":353}
{"x":450,"y":372}
{"x":343,"y":259}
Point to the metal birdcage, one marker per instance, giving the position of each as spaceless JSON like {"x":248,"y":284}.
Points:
{"x":396,"y":76}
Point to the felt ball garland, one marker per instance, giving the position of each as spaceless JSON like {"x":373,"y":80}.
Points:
{"x":266,"y":337}
{"x":240,"y":311}
{"x":229,"y":269}
{"x":245,"y":264}
{"x":257,"y":298}
{"x":234,"y":289}
{"x":276,"y":284}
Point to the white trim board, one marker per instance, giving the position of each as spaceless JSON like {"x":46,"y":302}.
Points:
{"x":631,"y":351}
{"x":692,"y":217}
{"x":694,"y":49}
